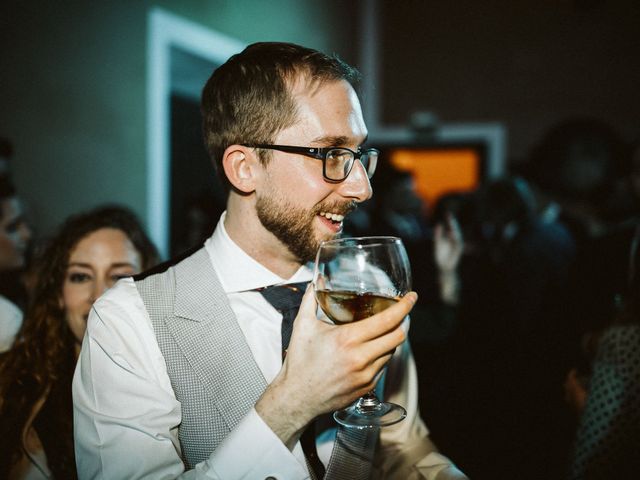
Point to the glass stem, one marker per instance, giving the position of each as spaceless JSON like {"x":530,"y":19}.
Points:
{"x":368,"y":402}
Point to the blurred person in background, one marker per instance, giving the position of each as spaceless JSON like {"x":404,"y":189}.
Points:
{"x":15,"y":236}
{"x":605,"y":256}
{"x":498,"y":386}
{"x":398,"y":210}
{"x":574,"y":168}
{"x":590,"y":175}
{"x":606,"y":391}
{"x":90,"y":253}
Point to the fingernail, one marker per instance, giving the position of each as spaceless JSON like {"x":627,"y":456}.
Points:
{"x":413,"y":296}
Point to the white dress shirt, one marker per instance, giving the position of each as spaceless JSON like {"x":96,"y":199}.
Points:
{"x":10,"y":323}
{"x":126,"y":415}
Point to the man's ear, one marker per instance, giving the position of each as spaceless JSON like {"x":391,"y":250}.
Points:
{"x":240,"y":166}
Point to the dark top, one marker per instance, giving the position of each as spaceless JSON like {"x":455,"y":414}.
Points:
{"x":608,"y":437}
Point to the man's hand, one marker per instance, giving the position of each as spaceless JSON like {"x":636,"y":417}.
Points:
{"x":329,"y":366}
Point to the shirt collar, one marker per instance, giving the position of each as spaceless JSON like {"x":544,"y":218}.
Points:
{"x":238,"y":272}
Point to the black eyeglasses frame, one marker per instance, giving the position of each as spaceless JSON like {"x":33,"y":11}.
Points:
{"x":320,"y":153}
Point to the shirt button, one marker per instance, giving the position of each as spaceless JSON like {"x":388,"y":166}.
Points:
{"x":271,"y":478}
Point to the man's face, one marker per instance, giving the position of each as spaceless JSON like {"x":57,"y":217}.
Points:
{"x":295,"y":203}
{"x":14,"y":235}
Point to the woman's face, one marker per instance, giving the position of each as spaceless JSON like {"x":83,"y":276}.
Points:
{"x":98,"y":261}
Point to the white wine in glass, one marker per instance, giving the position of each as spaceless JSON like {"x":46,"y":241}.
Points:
{"x":355,"y":278}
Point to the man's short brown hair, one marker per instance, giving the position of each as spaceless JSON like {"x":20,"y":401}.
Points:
{"x":248,"y":98}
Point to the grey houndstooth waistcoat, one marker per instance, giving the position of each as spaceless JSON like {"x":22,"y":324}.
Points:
{"x":212,"y":371}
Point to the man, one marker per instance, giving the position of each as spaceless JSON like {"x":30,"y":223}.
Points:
{"x":184,"y":369}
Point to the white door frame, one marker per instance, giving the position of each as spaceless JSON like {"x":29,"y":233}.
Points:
{"x":166,"y":31}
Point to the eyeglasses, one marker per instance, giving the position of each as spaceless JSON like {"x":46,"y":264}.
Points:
{"x":337,"y":162}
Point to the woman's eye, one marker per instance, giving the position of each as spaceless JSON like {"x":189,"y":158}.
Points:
{"x":79,"y":277}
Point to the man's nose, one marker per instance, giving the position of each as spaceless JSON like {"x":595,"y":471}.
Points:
{"x":357,"y":185}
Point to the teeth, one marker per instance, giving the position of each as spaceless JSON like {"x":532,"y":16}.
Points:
{"x":332,"y":216}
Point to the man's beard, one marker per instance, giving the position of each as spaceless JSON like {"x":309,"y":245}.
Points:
{"x":293,"y":225}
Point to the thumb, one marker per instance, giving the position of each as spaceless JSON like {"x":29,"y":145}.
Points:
{"x":306,"y":318}
{"x":308,"y":306}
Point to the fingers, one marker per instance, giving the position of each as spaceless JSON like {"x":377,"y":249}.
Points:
{"x":449,"y":217}
{"x":449,"y":228}
{"x":454,"y":226}
{"x":366,"y":378}
{"x":383,"y":322}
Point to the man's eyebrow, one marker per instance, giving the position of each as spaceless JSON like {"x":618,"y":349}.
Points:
{"x":336,"y":140}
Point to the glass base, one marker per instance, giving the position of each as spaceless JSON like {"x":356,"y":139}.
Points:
{"x":369,"y":412}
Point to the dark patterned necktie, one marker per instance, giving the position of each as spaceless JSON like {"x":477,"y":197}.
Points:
{"x":352,"y":455}
{"x":286,"y":299}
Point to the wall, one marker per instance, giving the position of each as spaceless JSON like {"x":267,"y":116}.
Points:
{"x":72,"y":88}
{"x":527,"y":64}
{"x":73,"y":93}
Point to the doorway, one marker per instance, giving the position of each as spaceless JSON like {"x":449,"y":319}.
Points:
{"x":180,"y":58}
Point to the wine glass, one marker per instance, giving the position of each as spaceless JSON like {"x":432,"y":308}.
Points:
{"x":355,"y":278}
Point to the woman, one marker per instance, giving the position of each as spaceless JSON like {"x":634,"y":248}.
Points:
{"x":88,"y":255}
{"x":608,"y":435}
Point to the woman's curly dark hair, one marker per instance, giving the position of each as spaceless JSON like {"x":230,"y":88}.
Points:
{"x":42,"y":360}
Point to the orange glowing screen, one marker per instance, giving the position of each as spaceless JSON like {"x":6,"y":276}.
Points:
{"x":439,"y":171}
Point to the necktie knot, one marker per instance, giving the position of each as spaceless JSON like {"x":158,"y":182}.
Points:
{"x":286,"y":299}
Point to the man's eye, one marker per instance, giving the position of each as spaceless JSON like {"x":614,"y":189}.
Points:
{"x":79,"y":277}
{"x":338,"y":157}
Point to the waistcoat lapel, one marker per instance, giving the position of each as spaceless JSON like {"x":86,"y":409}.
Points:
{"x":208,"y":335}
